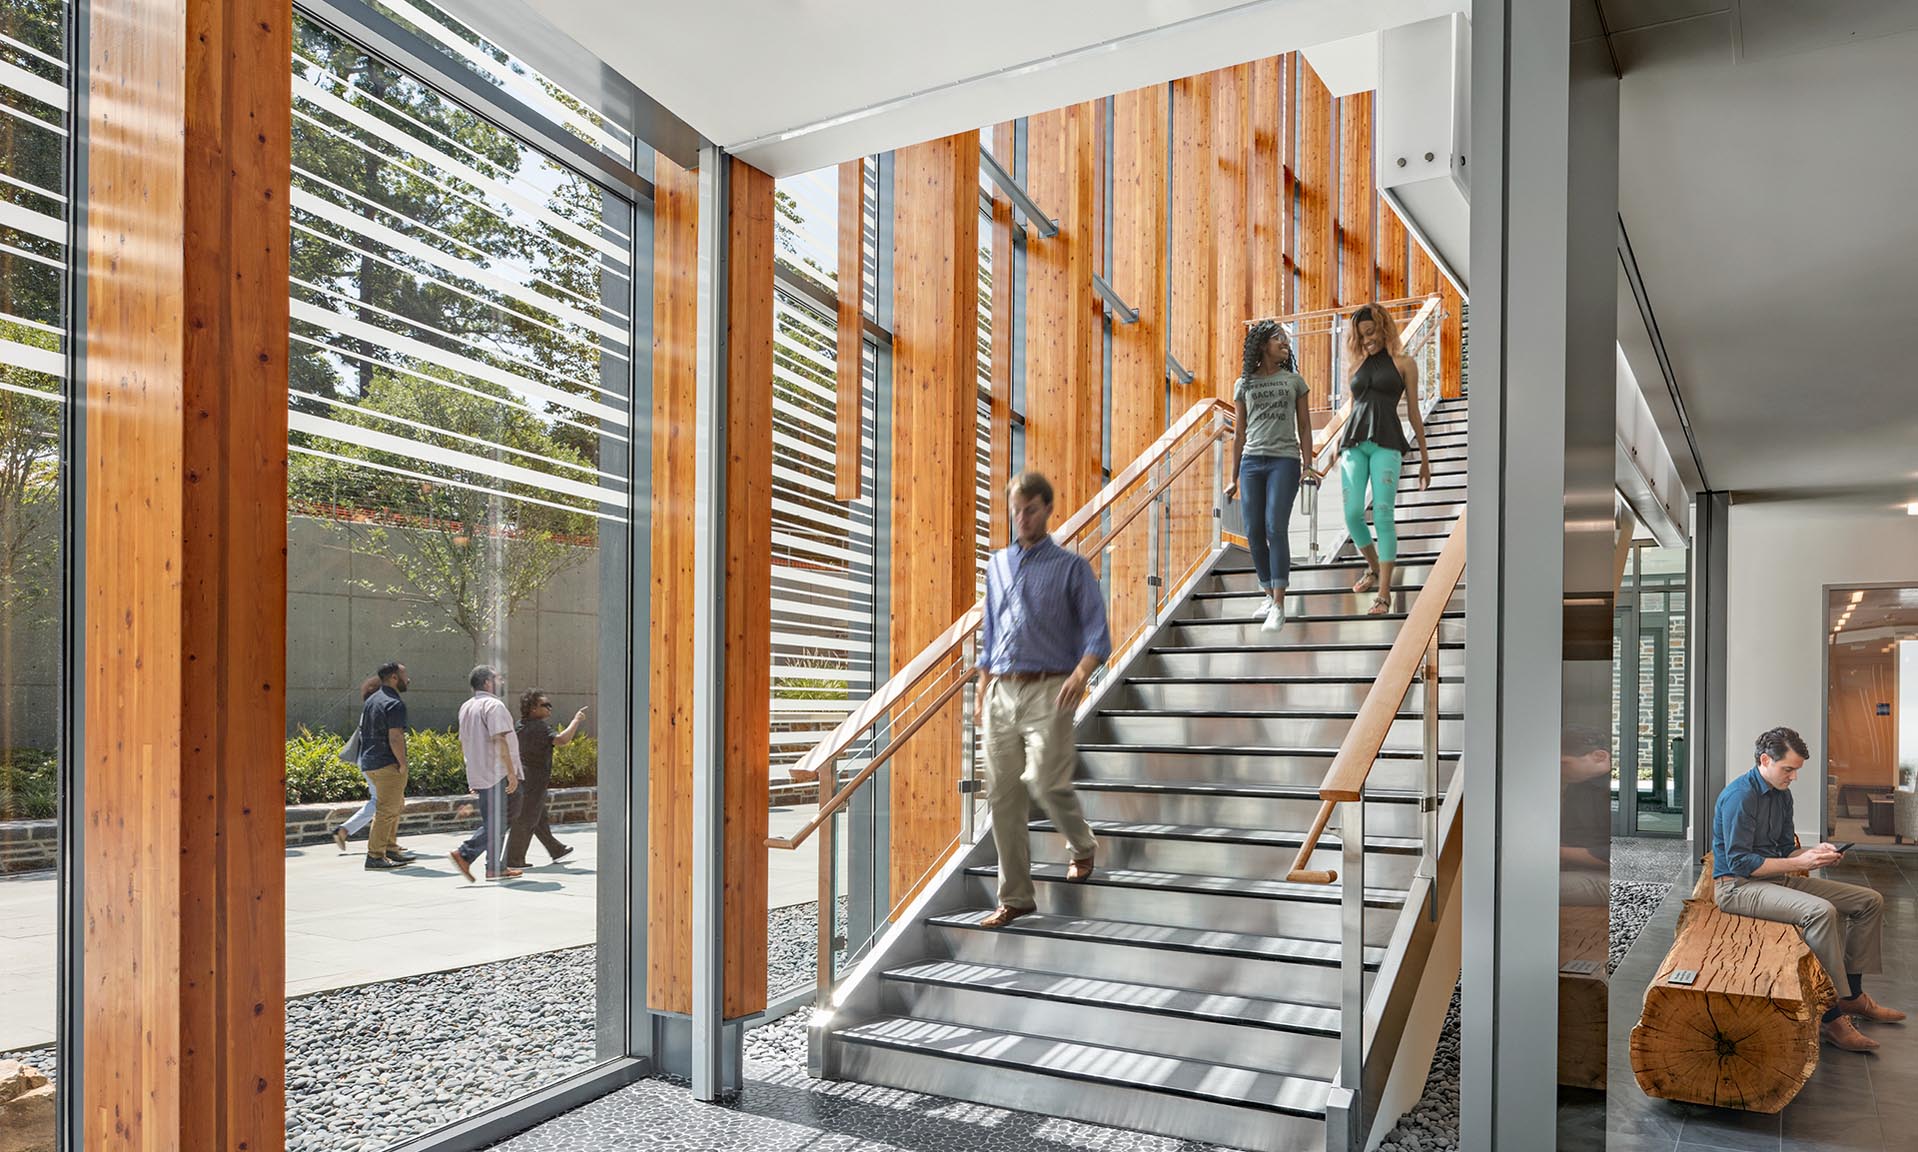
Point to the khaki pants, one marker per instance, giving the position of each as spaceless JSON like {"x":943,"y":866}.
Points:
{"x":1842,"y":923}
{"x":389,"y":800}
{"x":1029,"y":756}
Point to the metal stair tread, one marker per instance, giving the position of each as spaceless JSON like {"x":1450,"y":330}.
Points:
{"x":1218,"y":834}
{"x":1115,"y":1067}
{"x":1292,"y":678}
{"x":1190,"y":883}
{"x":1326,"y":646}
{"x":1293,"y":949}
{"x":1125,"y":995}
{"x":1249,"y":791}
{"x":1445,"y":754}
{"x":1305,"y":618}
{"x":1270,"y":713}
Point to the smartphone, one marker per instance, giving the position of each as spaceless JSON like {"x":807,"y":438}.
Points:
{"x":1845,"y":847}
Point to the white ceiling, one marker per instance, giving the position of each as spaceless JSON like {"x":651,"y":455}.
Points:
{"x":793,"y":85}
{"x":1767,"y":176}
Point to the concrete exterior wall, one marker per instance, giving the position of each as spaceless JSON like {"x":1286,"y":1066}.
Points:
{"x":343,"y":622}
{"x":1781,"y":557}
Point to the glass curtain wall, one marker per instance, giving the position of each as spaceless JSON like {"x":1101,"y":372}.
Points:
{"x":34,"y":402}
{"x":1650,"y":687}
{"x":823,"y":566}
{"x":459,"y":516}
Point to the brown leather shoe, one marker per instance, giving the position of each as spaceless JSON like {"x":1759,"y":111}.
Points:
{"x":1864,"y":1007}
{"x":1002,"y":916}
{"x":1079,"y":871}
{"x":1842,"y":1033}
{"x":460,"y":862}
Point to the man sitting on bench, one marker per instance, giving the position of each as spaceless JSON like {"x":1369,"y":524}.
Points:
{"x":1756,"y":872}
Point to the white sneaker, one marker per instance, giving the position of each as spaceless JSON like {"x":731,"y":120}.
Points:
{"x":1274,"y":618}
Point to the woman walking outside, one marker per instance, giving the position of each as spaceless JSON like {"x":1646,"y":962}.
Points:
{"x":1273,"y":442}
{"x":1374,"y":446}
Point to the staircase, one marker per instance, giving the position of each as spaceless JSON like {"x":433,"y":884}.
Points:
{"x":1188,"y":989}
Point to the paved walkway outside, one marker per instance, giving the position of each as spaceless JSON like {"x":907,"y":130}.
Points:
{"x":347,"y":926}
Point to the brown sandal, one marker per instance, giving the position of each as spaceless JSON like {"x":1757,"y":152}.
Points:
{"x":1367,"y":582}
{"x":1381,"y":604}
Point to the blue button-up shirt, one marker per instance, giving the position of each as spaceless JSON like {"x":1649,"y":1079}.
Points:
{"x":1044,"y":611}
{"x":1751,"y":824}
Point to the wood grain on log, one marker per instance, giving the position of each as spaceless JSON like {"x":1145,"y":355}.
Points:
{"x":1745,"y":1035}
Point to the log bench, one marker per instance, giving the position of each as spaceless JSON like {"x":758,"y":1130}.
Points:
{"x":1745,"y":1035}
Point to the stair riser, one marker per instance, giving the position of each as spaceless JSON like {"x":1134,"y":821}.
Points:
{"x":1300,"y":632}
{"x":1250,"y":606}
{"x":1347,"y":695}
{"x":1253,"y":732}
{"x":1393,"y":772}
{"x":1201,"y":1120}
{"x":1453,"y":496}
{"x":1196,"y":810}
{"x":1216,"y":912}
{"x":1169,"y":663}
{"x":1244,"y":579}
{"x":1208,"y":858}
{"x":1266,"y":1049}
{"x":1103,"y":960}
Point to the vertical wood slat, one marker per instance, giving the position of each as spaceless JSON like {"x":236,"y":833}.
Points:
{"x":1266,"y":192}
{"x":748,"y":623}
{"x":1192,"y":309}
{"x":999,"y":454}
{"x":1424,"y":274}
{"x":934,"y":408}
{"x":1451,"y":341}
{"x":852,"y":316}
{"x":1231,"y":299}
{"x":1064,"y":366}
{"x":1288,"y":182}
{"x":183,"y":870}
{"x":1391,"y":254}
{"x":1139,"y":186}
{"x":1317,"y":253}
{"x":1358,"y":204}
{"x":669,"y":933}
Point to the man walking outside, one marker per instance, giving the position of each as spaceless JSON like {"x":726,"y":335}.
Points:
{"x":536,"y":743}
{"x":383,"y":761}
{"x":1044,"y":634}
{"x":492,"y":771}
{"x":1756,"y":872}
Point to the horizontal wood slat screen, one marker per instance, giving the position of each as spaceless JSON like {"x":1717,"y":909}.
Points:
{"x":852,"y":318}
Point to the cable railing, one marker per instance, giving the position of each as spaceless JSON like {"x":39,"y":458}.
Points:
{"x":1148,"y":533}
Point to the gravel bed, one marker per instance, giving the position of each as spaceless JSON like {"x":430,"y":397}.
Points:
{"x":1653,"y":859}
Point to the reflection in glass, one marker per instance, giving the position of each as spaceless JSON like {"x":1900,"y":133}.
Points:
{"x":1871,"y":720}
{"x":33,"y":348}
{"x":458,"y":496}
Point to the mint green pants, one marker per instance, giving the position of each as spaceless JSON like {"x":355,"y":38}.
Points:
{"x":1367,"y":462}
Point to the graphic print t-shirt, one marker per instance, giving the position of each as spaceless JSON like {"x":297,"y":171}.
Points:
{"x":1271,"y":403}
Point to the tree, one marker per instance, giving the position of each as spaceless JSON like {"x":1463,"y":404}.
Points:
{"x":468,"y":549}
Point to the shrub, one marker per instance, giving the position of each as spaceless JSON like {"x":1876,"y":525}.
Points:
{"x":435,"y":766}
{"x":29,"y":784}
{"x":314,"y":772}
{"x":576,"y":765}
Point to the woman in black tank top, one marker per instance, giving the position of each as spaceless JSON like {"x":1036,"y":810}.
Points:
{"x":1374,"y":446}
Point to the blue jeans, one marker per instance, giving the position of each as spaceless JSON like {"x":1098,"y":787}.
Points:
{"x":490,"y":837}
{"x":364,"y":816}
{"x":1267,"y":487}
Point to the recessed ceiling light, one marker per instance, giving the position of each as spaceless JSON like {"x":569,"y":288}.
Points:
{"x":1911,"y":509}
{"x":1857,"y":596}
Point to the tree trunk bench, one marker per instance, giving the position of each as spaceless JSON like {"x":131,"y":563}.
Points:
{"x":1745,"y":1035}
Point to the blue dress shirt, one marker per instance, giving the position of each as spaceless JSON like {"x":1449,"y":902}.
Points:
{"x":1044,"y":611}
{"x":1751,"y":824}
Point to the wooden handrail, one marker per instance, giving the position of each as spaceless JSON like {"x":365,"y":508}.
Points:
{"x":1316,"y":313}
{"x":890,"y":694}
{"x":1345,"y":779}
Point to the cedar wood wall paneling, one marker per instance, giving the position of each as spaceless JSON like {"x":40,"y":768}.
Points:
{"x":1451,"y":340}
{"x":1317,"y":254}
{"x":999,"y":456}
{"x":936,"y":294}
{"x":1138,"y":350}
{"x":1064,"y":360}
{"x":1266,"y":202}
{"x":1191,"y":311}
{"x":669,"y":934}
{"x":182,"y":1005}
{"x":749,"y":516}
{"x":1232,"y":234}
{"x":852,"y":315}
{"x":1357,"y":202}
{"x":1391,"y":254}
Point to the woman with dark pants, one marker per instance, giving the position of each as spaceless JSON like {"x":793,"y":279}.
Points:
{"x":1273,"y":441}
{"x":1374,"y":446}
{"x":528,"y":816}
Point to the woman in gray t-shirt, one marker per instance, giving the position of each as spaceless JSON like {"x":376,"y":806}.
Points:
{"x":1274,"y":439}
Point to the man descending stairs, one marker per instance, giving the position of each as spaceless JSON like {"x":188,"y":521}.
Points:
{"x":1188,"y":988}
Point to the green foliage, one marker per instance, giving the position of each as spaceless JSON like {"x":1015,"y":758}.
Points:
{"x":435,"y":767}
{"x":29,"y":784}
